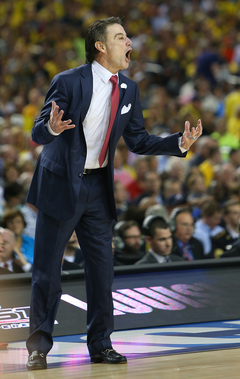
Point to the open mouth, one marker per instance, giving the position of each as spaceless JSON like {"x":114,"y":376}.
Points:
{"x":128,"y":53}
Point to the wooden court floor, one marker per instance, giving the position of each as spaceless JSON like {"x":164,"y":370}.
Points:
{"x":191,"y":351}
{"x":221,"y":364}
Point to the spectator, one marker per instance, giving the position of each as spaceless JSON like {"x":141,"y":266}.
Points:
{"x":234,"y":158}
{"x":120,"y":196}
{"x":13,"y":219}
{"x":197,"y":193}
{"x":224,"y":184}
{"x":208,"y":226}
{"x":208,"y":62}
{"x":230,"y":233}
{"x":171,"y":187}
{"x":72,"y":257}
{"x":232,"y":101}
{"x":29,"y":212}
{"x":128,"y":243}
{"x":136,"y":187}
{"x":13,"y":195}
{"x":152,"y":184}
{"x":233,"y":124}
{"x":3,"y":270}
{"x":207,"y":167}
{"x":120,"y":173}
{"x":10,"y":258}
{"x":184,"y":244}
{"x":10,"y":172}
{"x":158,"y":237}
{"x":202,"y":150}
{"x":226,"y":140}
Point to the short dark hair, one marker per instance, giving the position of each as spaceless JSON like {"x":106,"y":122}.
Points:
{"x":97,"y":31}
{"x":228,"y":204}
{"x":209,"y":208}
{"x":156,"y":223}
{"x":12,"y":190}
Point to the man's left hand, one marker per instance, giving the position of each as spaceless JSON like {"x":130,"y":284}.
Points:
{"x":189,"y":137}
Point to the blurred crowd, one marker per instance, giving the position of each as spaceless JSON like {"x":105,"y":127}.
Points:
{"x":186,"y":61}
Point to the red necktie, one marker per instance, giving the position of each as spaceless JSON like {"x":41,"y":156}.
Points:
{"x":114,"y":107}
{"x":186,"y":253}
{"x":6,"y":265}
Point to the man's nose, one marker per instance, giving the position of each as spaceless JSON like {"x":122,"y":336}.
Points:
{"x":129,"y":42}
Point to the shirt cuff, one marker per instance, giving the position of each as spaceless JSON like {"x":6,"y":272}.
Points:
{"x":179,"y":145}
{"x":27,"y":267}
{"x":50,"y":130}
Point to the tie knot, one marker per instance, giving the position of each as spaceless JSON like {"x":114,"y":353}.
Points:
{"x":114,"y":79}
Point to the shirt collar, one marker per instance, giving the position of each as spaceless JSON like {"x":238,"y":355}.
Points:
{"x":102,"y":72}
{"x":159,"y":258}
{"x":181,"y":244}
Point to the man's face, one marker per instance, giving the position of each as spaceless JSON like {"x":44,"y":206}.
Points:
{"x":16,"y":225}
{"x":153,"y":183}
{"x":233,"y":216}
{"x":132,"y":239}
{"x":184,"y":227}
{"x":117,"y":49}
{"x":214,"y":220}
{"x":120,"y":193}
{"x":162,"y":242}
{"x":8,"y":246}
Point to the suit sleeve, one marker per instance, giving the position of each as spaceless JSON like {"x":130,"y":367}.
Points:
{"x":140,"y":142}
{"x":58,"y":93}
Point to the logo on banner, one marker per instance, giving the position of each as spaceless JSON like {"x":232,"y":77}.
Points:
{"x":140,"y":300}
{"x":143,"y":300}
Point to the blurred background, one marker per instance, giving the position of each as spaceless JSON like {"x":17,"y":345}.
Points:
{"x":186,"y":61}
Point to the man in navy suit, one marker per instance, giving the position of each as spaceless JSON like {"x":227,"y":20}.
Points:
{"x":72,"y":187}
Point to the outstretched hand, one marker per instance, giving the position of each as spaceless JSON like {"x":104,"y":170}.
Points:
{"x":189,"y":137}
{"x":56,"y":123}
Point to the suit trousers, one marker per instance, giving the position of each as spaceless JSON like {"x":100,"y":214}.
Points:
{"x":93,"y":224}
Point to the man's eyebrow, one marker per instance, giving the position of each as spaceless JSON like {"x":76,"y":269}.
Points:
{"x":119,"y":34}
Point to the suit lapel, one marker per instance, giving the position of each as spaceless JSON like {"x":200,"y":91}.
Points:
{"x":123,"y":89}
{"x":87,"y":89}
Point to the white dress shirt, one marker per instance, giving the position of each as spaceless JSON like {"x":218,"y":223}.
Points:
{"x":9,"y":263}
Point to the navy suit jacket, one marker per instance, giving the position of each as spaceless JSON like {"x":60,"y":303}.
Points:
{"x":57,"y":178}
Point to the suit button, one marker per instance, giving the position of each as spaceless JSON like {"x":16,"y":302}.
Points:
{"x":80,"y":175}
{"x":84,"y":153}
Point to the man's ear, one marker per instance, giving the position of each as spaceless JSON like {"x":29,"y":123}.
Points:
{"x":148,"y":239}
{"x":100,"y":46}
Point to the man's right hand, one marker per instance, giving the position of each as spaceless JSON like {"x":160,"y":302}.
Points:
{"x":56,"y":123}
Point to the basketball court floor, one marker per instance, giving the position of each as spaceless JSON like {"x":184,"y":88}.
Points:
{"x":204,"y":350}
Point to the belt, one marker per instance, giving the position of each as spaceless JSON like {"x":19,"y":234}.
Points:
{"x":91,"y":171}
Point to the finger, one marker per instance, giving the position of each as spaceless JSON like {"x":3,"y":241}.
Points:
{"x":59,"y":116}
{"x":54,"y":106}
{"x":199,"y":128}
{"x":187,"y":126}
{"x":187,"y":129}
{"x":67,"y":122}
{"x":71,"y":126}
